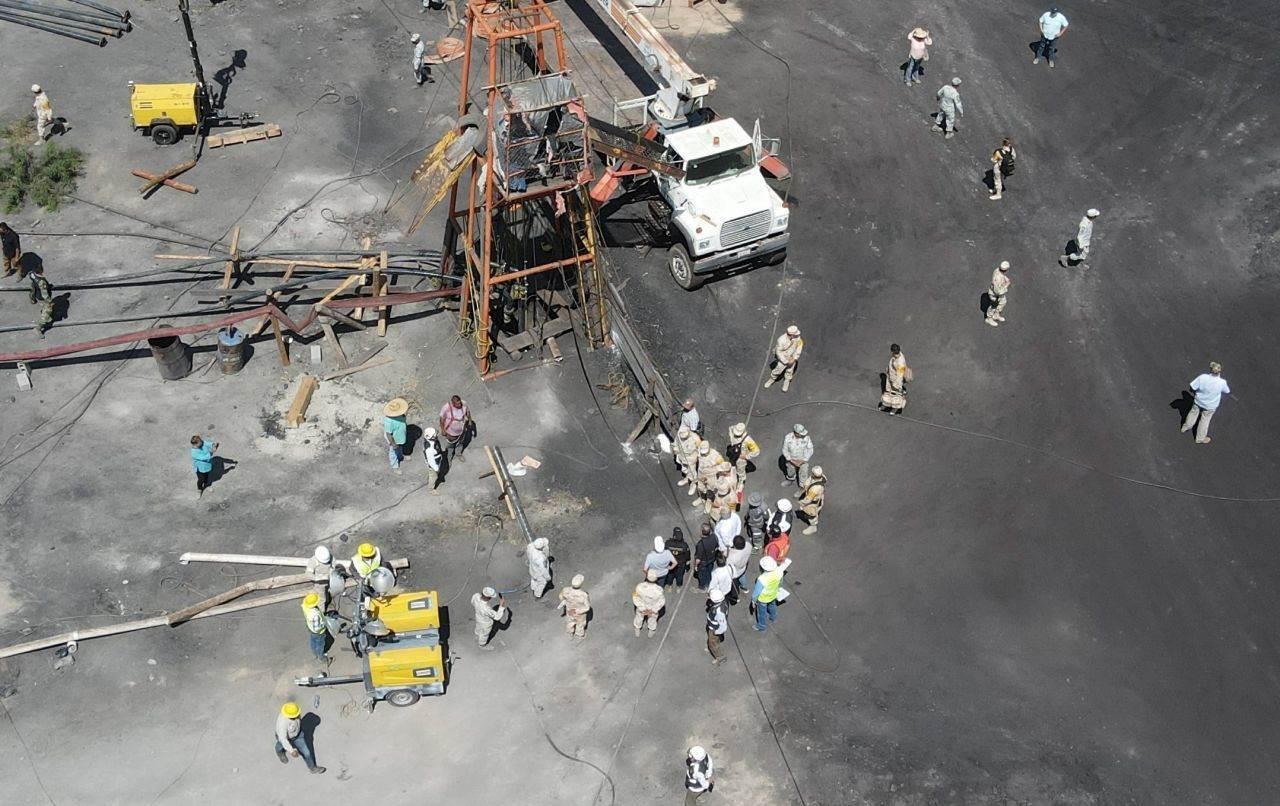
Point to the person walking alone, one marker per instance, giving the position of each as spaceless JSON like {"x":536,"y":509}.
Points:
{"x":11,"y":248}
{"x":896,"y":378}
{"x":950,"y":108}
{"x":395,"y":430}
{"x":998,"y":294}
{"x":421,"y":70}
{"x":289,"y":734}
{"x":1208,"y":390}
{"x":786,"y":357}
{"x":202,"y":451}
{"x":44,"y":114}
{"x":576,"y":604}
{"x":917,"y":55}
{"x":1084,"y":237}
{"x":1053,"y":24}
{"x":699,"y":775}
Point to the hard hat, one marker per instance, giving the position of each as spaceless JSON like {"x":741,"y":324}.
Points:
{"x":540,"y":543}
{"x":577,"y":580}
{"x":816,"y":472}
{"x":800,"y":429}
{"x":792,"y":330}
{"x":697,"y":753}
{"x":35,"y":88}
{"x":784,"y":504}
{"x":367,"y":550}
{"x":415,"y":38}
{"x":716,"y":595}
{"x":396,"y":407}
{"x":1004,"y":265}
{"x":488,"y":592}
{"x":1092,"y":212}
{"x":323,"y":554}
{"x":651,"y":575}
{"x":704,"y":448}
{"x":291,"y":710}
{"x":311,"y":600}
{"x":429,"y":433}
{"x":738,"y":430}
{"x":756,"y":499}
{"x":658,"y":544}
{"x":955,"y":82}
{"x":767,"y":563}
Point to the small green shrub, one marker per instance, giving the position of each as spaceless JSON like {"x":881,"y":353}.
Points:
{"x":46,"y":176}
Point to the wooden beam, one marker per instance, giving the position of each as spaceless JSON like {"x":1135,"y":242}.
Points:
{"x":341,"y":317}
{"x":160,"y":179}
{"x":176,"y":618}
{"x":343,"y":286}
{"x":266,"y":559}
{"x":233,"y":264}
{"x":502,"y":487}
{"x":384,"y":311}
{"x":640,"y":427}
{"x":155,"y":180}
{"x":342,"y":373}
{"x":297,"y":414}
{"x":280,"y":345}
{"x":271,"y":297}
{"x":332,"y":339}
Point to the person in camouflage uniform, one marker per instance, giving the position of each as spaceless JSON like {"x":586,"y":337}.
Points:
{"x":576,"y":604}
{"x":537,"y":553}
{"x":42,"y":295}
{"x":686,"y":451}
{"x":487,"y":615}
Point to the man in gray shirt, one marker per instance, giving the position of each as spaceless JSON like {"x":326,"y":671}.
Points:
{"x":949,"y":108}
{"x":797,"y":449}
{"x":660,"y":561}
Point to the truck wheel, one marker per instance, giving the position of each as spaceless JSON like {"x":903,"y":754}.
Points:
{"x":164,"y":134}
{"x":778,"y":258}
{"x":681,"y":268}
{"x":402,"y":697}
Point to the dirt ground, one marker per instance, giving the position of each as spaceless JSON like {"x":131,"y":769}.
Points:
{"x":1028,"y":589}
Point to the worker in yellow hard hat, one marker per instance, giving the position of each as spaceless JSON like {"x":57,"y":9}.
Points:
{"x":366,"y":558}
{"x":289,"y":734}
{"x":317,"y":627}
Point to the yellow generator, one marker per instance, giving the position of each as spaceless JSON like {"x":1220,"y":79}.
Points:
{"x":398,"y":638}
{"x":163,"y":111}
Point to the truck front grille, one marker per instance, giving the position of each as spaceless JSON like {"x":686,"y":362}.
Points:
{"x":743,"y":230}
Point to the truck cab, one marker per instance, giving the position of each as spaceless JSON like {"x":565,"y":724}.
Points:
{"x":724,"y":214}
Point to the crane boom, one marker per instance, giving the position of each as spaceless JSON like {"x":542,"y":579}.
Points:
{"x":661,"y":57}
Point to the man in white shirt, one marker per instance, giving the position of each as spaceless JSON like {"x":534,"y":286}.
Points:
{"x":727,"y":528}
{"x":1084,"y":237}
{"x":1053,"y":24}
{"x":1208,"y":390}
{"x":699,"y":775}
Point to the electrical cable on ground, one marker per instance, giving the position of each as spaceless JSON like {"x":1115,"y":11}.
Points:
{"x":27,"y":750}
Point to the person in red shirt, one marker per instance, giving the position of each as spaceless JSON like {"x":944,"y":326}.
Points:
{"x":779,"y":547}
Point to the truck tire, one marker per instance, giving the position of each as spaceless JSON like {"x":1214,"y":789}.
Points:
{"x":402,"y":697}
{"x":164,"y":134}
{"x":777,"y":258}
{"x":681,"y":268}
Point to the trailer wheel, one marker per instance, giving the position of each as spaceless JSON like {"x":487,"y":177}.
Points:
{"x":681,"y":268}
{"x":164,"y":134}
{"x":403,"y":697}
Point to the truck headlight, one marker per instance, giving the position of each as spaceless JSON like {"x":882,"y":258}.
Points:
{"x":781,"y":219}
{"x":704,"y":245}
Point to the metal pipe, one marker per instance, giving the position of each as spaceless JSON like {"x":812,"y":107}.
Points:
{"x":100,"y":41}
{"x":513,"y":495}
{"x":69,"y":24}
{"x":50,"y":11}
{"x":118,"y":14}
{"x":312,"y":682}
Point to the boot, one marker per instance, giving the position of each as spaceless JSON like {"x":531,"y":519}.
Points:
{"x":810,"y":530}
{"x":769,"y":382}
{"x":637,"y":631}
{"x":786,"y":384}
{"x":999,"y":317}
{"x":280,"y":754}
{"x":993,"y":323}
{"x":318,"y":770}
{"x":948,"y":135}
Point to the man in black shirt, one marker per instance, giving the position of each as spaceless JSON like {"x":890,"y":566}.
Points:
{"x":680,"y":550}
{"x":11,"y":247}
{"x":704,"y":556}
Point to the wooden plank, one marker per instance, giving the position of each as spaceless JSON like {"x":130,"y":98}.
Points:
{"x":281,"y":347}
{"x":370,"y":353}
{"x":301,"y":399}
{"x":640,"y":427}
{"x":234,"y":262}
{"x":244,"y":136}
{"x":270,"y":583}
{"x":266,"y":559}
{"x":384,"y":311}
{"x":343,"y":286}
{"x":173,"y":183}
{"x":332,"y":338}
{"x":502,"y":487}
{"x":554,"y":346}
{"x":156,"y":179}
{"x":339,"y":316}
{"x":342,"y":373}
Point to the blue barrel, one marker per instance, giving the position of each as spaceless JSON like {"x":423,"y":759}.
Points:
{"x":230,"y":350}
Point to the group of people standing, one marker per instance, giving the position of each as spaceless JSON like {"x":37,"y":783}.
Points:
{"x":442,"y":444}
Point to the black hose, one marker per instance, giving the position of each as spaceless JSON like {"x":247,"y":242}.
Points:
{"x":70,"y":34}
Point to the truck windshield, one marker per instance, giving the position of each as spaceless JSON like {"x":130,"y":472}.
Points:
{"x":718,"y":166}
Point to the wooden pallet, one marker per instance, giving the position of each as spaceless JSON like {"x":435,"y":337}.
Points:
{"x":243,"y":136}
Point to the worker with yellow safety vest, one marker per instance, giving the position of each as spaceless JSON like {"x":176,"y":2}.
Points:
{"x":317,"y":626}
{"x":366,"y":558}
{"x":764,"y":596}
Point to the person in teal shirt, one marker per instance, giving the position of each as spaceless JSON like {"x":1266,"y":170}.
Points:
{"x":202,"y":451}
{"x":395,"y":430}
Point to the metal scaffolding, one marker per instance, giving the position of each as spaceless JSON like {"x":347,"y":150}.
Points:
{"x":521,"y":230}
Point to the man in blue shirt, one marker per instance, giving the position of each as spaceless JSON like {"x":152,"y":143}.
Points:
{"x":395,"y":430}
{"x":202,"y":460}
{"x":1208,"y":390}
{"x":1053,"y":24}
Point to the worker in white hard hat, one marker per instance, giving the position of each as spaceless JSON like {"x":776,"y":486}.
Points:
{"x":797,"y":450}
{"x":366,"y":558}
{"x":317,"y":626}
{"x":764,"y":596}
{"x":1084,"y":237}
{"x":699,"y":774}
{"x":421,"y":70}
{"x":686,"y":453}
{"x":660,"y":561}
{"x":717,"y":625}
{"x":433,"y":457}
{"x":576,"y":604}
{"x":44,"y":114}
{"x":538,"y":555}
{"x":778,"y":519}
{"x":649,"y":601}
{"x":741,"y":450}
{"x":786,"y":357}
{"x":490,"y":610}
{"x":998,"y":294}
{"x":811,"y":499}
{"x":289,"y":734}
{"x":319,"y":568}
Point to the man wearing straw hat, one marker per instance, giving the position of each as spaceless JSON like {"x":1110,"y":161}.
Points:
{"x":395,"y":430}
{"x":916,"y":56}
